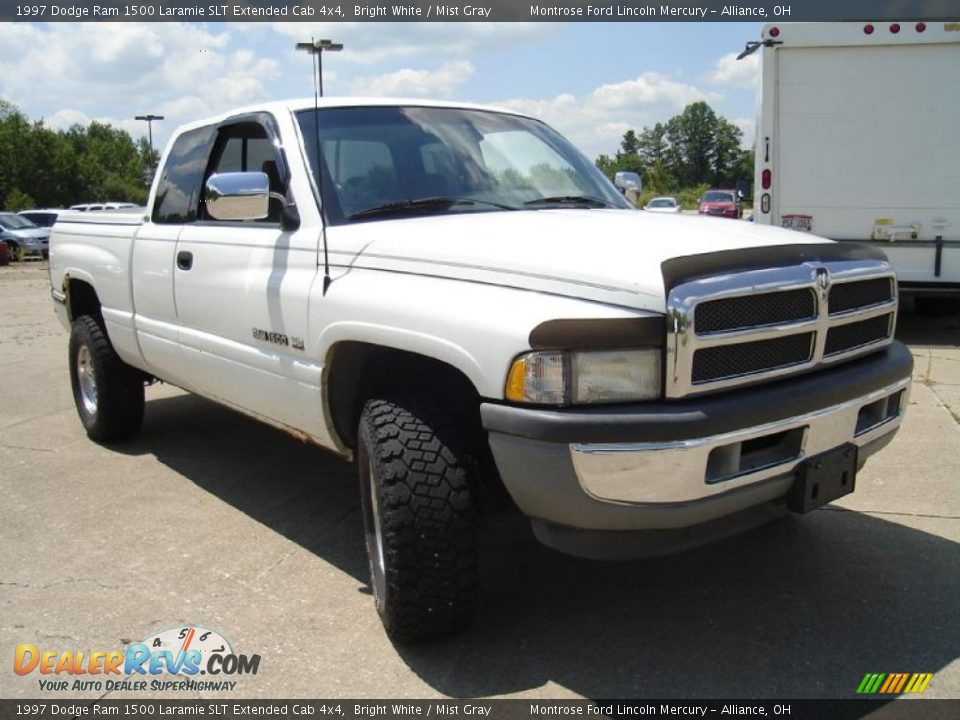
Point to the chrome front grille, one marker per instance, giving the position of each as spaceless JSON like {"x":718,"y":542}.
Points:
{"x":861,"y":294}
{"x":748,"y":311}
{"x":856,"y":335}
{"x":758,"y":325}
{"x":725,"y":361}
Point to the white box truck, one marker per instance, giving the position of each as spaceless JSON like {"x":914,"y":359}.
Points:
{"x":859,"y":139}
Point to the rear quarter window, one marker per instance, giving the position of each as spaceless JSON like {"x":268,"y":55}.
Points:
{"x":178,"y":193}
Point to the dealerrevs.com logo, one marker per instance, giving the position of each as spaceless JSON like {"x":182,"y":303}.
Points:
{"x":173,"y":659}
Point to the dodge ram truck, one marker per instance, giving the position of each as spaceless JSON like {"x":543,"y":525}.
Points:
{"x":456,"y":300}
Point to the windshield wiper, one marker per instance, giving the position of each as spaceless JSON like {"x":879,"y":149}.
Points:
{"x":570,"y":200}
{"x":430,"y":203}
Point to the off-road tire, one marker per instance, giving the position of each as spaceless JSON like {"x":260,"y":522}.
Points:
{"x":424,"y":571}
{"x":117,"y":411}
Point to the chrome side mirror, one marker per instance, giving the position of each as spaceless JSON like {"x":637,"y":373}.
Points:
{"x":238,"y":196}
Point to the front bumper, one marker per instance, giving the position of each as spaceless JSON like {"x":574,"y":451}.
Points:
{"x":673,"y":466}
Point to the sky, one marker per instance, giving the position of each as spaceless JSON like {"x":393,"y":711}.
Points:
{"x":591,"y":81}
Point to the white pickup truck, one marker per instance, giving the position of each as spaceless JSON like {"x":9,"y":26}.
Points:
{"x":457,"y":300}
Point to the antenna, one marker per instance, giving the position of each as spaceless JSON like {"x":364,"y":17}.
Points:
{"x":316,"y":48}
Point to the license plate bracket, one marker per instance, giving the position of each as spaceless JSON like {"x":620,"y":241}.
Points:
{"x":824,"y":478}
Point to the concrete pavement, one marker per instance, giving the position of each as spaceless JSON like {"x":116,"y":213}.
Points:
{"x":210,"y":518}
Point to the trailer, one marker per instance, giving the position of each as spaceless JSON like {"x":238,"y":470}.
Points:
{"x":858,"y":139}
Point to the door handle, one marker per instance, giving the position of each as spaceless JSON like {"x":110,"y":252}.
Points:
{"x":184,"y":260}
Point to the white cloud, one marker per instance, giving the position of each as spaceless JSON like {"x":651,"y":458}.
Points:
{"x":749,"y":128}
{"x":113,"y":71}
{"x":439,"y":83}
{"x":646,"y":90}
{"x":597,"y":121}
{"x":369,"y":43}
{"x":743,"y":74}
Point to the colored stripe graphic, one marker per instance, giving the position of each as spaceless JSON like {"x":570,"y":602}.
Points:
{"x":894,"y":683}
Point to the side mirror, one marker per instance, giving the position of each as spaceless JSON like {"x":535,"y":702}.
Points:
{"x":238,"y":196}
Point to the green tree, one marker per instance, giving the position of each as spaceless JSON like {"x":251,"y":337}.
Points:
{"x":726,"y":152}
{"x":629,"y":144}
{"x":692,"y":138}
{"x":45,"y":167}
{"x":652,"y":146}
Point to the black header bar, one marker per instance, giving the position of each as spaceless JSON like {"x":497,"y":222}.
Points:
{"x":479,"y":11}
{"x":532,"y":709}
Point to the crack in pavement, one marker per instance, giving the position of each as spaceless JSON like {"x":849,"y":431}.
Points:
{"x":66,"y":581}
{"x":35,"y":417}
{"x":890,"y":512}
{"x":25,"y":447}
{"x":953,"y":413}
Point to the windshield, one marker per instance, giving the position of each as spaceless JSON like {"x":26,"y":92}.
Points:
{"x":662,"y":203}
{"x":386,"y":161}
{"x":715,"y":196}
{"x":12,"y":221}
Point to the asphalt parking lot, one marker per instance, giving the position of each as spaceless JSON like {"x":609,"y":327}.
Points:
{"x":210,"y":518}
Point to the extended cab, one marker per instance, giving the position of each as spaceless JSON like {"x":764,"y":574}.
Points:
{"x":457,"y":300}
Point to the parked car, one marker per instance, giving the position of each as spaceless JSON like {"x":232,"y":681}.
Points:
{"x":87,"y":207}
{"x":663,"y":205}
{"x":721,"y":203}
{"x":23,"y":237}
{"x":42,"y":217}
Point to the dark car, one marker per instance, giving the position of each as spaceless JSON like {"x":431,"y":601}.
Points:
{"x":721,"y":203}
{"x":42,"y":217}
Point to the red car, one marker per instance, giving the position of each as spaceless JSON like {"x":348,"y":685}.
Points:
{"x":722,"y":203}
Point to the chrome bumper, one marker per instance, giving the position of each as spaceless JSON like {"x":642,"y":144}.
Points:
{"x":688,"y":470}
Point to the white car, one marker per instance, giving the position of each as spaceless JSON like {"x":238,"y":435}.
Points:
{"x":663,"y":205}
{"x":89,"y":207}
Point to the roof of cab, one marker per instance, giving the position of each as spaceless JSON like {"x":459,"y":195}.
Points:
{"x":288,"y":106}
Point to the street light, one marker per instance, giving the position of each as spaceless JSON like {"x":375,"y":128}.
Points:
{"x":317,"y":48}
{"x":149,"y":120}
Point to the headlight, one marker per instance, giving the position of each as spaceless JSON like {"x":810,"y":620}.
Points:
{"x":588,"y":376}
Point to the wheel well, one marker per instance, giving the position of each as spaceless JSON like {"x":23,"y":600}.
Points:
{"x":360,"y":371}
{"x":82,"y":299}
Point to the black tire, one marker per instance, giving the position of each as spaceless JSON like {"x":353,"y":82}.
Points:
{"x":419,"y":517}
{"x":113,"y":410}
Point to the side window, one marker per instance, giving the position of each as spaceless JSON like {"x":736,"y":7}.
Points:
{"x":178,"y":191}
{"x":245,"y":147}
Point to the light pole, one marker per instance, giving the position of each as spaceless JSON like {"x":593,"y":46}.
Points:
{"x":317,"y":47}
{"x":149,"y":120}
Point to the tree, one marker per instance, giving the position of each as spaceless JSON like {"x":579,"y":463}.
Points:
{"x":629,"y":144}
{"x":652,"y":146}
{"x":694,"y":149}
{"x":692,"y":138}
{"x":44,"y":167}
{"x":726,"y":152}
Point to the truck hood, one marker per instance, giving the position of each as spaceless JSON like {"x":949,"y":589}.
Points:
{"x":610,"y":256}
